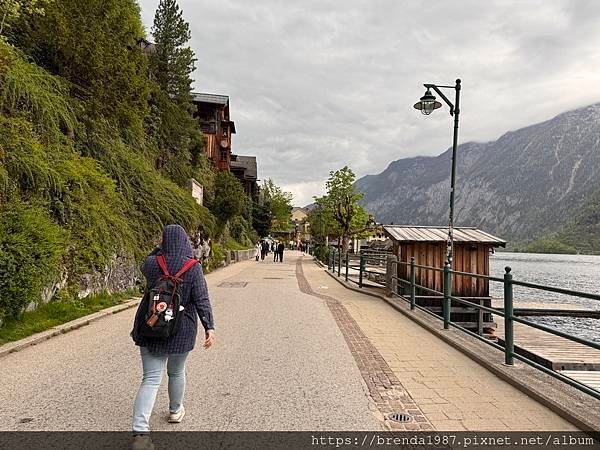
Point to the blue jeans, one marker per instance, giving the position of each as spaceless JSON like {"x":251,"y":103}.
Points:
{"x":154,"y":366}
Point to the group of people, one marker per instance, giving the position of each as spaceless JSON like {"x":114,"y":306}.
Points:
{"x":263,"y":248}
{"x":201,"y":248}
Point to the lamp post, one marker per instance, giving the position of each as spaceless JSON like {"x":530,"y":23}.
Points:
{"x":427,"y":104}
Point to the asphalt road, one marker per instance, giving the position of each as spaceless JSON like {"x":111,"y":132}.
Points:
{"x":279,"y":363}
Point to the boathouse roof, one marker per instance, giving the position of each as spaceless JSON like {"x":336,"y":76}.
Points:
{"x":417,"y":233}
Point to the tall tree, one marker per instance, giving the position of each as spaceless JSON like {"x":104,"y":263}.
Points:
{"x":279,"y":203}
{"x":173,"y":62}
{"x":230,"y":198}
{"x":322,"y":223}
{"x":342,"y":201}
{"x":12,"y":10}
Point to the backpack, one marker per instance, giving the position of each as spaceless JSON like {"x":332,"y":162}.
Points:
{"x":161,"y":306}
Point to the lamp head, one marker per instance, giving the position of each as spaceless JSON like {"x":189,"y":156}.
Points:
{"x":427,"y":103}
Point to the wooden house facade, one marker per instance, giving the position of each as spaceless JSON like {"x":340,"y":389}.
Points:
{"x":245,"y":170}
{"x":472,"y":249}
{"x":212,"y":113}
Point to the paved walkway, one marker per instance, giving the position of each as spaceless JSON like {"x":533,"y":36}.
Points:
{"x":293,"y":352}
{"x":452,"y":391}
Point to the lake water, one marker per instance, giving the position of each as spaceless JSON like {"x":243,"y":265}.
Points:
{"x":576,"y":272}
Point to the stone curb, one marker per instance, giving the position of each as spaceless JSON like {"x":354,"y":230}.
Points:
{"x":545,"y":389}
{"x":34,"y":339}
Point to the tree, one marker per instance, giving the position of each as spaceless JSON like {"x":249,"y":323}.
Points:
{"x":342,"y":202}
{"x":261,"y":218}
{"x":279,"y":203}
{"x":172,"y":63}
{"x":93,"y":46}
{"x":322,"y":223}
{"x":12,"y":10}
{"x":230,"y":198}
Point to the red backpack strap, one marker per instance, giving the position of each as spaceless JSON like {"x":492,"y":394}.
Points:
{"x":187,"y":266}
{"x":162,"y":262}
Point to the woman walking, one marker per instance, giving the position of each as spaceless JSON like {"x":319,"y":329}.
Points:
{"x":173,"y":350}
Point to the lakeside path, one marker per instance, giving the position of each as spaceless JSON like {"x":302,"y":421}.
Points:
{"x":295,"y":351}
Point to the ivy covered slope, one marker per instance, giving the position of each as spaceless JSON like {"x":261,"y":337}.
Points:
{"x":94,"y":156}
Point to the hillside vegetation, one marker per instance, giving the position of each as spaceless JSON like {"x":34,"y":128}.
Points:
{"x":95,"y":156}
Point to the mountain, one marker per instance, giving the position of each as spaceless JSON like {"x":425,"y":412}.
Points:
{"x":527,"y":184}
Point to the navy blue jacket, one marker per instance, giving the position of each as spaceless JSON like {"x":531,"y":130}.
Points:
{"x":177,"y":249}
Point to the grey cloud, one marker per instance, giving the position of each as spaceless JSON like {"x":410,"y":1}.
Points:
{"x":316,"y":85}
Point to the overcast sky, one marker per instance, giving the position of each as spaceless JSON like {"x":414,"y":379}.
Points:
{"x":318,"y":84}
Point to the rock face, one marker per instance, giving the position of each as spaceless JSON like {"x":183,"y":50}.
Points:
{"x":121,"y":274}
{"x":526,"y":184}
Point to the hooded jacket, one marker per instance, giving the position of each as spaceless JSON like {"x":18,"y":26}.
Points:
{"x":177,"y":249}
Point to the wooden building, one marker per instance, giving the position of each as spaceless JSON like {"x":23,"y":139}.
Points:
{"x":472,"y":248}
{"x":212,"y":112}
{"x":245,"y":170}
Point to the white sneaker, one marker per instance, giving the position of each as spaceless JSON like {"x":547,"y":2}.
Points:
{"x":178,"y":416}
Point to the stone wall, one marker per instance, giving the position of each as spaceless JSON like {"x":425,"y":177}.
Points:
{"x":121,"y":274}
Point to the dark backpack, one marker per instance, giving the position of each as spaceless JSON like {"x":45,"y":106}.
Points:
{"x":161,"y":306}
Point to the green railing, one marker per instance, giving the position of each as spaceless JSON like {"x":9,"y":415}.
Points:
{"x":507,"y":312}
{"x":341,"y":265}
{"x":356,"y":268}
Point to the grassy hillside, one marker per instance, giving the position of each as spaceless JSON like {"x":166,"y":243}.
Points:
{"x":94,"y":157}
{"x":580,"y":235}
{"x":583,"y":232}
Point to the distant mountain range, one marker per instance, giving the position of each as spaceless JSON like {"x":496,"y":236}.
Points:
{"x":535,"y":182}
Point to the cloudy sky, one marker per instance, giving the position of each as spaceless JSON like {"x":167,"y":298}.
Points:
{"x":318,"y":84}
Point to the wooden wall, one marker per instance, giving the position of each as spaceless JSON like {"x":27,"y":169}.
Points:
{"x":472,"y":258}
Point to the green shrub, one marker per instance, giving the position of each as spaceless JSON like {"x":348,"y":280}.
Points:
{"x":550,"y":246}
{"x":31,"y":246}
{"x":31,"y":92}
{"x":216,"y":259}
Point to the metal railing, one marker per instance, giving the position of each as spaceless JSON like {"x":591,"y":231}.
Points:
{"x":358,"y":268}
{"x":341,"y":265}
{"x":507,"y":312}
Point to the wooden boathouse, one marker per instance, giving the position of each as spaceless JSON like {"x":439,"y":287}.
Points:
{"x":427,"y":244}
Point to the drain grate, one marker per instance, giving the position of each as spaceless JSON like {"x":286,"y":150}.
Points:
{"x":273,"y":278}
{"x":233,"y":284}
{"x":26,"y":420}
{"x":399,"y":417}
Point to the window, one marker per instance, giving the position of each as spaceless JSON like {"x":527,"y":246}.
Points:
{"x":223,"y":155}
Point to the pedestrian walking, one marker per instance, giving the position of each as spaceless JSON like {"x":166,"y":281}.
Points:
{"x":197,"y":248}
{"x":172,"y":313}
{"x":280,"y":249}
{"x":206,"y":249}
{"x":275,"y":252}
{"x":257,"y":249}
{"x":265,"y":250}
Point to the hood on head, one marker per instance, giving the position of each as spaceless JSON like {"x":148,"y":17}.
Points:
{"x":175,"y":242}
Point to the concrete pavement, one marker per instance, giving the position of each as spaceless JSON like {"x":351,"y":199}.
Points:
{"x":295,"y":350}
{"x":279,"y":363}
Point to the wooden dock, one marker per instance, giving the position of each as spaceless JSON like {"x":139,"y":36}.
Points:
{"x":552,"y":351}
{"x":588,"y":377}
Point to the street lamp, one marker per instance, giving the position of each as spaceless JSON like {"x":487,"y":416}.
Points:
{"x":427,"y":104}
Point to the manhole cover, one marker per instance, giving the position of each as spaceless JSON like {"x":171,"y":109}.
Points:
{"x":233,"y":284}
{"x":26,"y":420}
{"x":399,"y":417}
